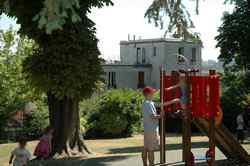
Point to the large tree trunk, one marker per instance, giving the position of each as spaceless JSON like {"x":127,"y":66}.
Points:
{"x":64,"y":118}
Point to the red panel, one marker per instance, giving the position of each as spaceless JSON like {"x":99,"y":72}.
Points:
{"x":194,"y":97}
{"x":205,"y":96}
{"x":214,"y":96}
{"x":202,"y":111}
{"x":169,"y":95}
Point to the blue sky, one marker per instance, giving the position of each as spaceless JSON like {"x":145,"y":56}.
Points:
{"x":114,"y":23}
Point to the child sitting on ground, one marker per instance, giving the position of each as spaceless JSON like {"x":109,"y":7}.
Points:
{"x":151,"y":127}
{"x":44,"y":147}
{"x":20,"y":155}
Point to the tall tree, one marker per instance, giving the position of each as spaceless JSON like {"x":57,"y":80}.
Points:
{"x":234,"y":36}
{"x":66,"y":65}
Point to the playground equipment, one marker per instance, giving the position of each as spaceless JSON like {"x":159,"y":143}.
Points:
{"x":203,"y":109}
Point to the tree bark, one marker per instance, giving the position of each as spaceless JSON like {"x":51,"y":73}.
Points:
{"x":65,"y":120}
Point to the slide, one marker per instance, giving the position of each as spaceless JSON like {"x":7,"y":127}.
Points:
{"x":225,"y":141}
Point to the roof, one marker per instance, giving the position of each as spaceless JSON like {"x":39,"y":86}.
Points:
{"x":157,"y":40}
{"x":122,"y":67}
{"x":128,"y":65}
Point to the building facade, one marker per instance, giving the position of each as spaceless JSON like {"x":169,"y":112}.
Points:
{"x":141,"y":60}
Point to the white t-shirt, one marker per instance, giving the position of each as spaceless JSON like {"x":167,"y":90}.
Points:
{"x":149,"y":124}
{"x":22,"y":156}
{"x":240,"y":122}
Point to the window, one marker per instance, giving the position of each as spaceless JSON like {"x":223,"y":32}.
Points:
{"x":143,"y":55}
{"x":154,"y":51}
{"x":138,"y":55}
{"x":193,"y":58}
{"x":181,"y":51}
{"x":180,"y":59}
{"x":112,"y":80}
{"x":140,"y":79}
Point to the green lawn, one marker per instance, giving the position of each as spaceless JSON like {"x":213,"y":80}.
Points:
{"x":107,"y":147}
{"x":111,"y":150}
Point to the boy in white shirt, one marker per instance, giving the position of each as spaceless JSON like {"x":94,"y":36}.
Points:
{"x":20,"y":155}
{"x":151,"y":126}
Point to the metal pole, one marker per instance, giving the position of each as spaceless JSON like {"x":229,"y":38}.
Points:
{"x":162,"y":121}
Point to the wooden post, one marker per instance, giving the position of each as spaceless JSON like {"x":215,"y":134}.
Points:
{"x":162,"y":123}
{"x":175,"y":78}
{"x":212,"y":130}
{"x":186,"y":127}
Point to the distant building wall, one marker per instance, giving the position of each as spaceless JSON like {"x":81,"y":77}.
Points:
{"x":126,"y":76}
{"x":157,"y":53}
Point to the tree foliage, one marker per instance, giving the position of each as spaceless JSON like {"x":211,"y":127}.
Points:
{"x":70,"y":65}
{"x":66,"y":61}
{"x":14,"y":91}
{"x":175,"y":15}
{"x":234,"y":36}
{"x":53,"y":14}
{"x":65,"y":65}
{"x":235,"y":97}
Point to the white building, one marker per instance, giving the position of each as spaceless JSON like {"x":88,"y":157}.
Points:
{"x":141,"y":60}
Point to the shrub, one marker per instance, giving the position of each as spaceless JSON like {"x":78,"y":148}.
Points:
{"x":117,"y":113}
{"x":35,"y":122}
{"x":234,"y":92}
{"x":32,"y":126}
{"x":88,"y":107}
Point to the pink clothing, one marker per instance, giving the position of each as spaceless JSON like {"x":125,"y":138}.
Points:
{"x":43,"y":148}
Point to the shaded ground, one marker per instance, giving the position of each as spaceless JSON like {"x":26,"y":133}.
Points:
{"x":121,"y":152}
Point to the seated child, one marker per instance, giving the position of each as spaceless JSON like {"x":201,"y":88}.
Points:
{"x":44,"y":147}
{"x":20,"y":155}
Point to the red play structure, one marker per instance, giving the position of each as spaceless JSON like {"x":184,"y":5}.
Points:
{"x":204,"y":97}
{"x":203,"y":110}
{"x":203,"y":102}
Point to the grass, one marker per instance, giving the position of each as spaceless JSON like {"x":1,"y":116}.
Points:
{"x":108,"y":150}
{"x":103,"y":147}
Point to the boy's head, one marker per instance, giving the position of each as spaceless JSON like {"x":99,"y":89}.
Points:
{"x":148,"y":92}
{"x":22,"y":143}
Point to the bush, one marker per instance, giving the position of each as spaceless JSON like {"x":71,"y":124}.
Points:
{"x":234,"y":91}
{"x":36,"y":122}
{"x":31,"y":128}
{"x":88,"y":107}
{"x":116,"y":113}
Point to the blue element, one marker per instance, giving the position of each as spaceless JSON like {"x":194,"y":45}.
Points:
{"x":184,"y":94}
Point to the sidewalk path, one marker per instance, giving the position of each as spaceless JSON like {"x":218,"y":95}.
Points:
{"x":173,"y":156}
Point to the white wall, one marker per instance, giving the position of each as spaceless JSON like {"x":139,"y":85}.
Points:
{"x":127,"y":76}
{"x":166,"y":56}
